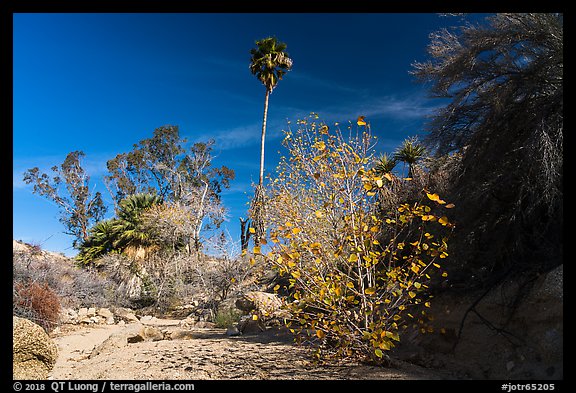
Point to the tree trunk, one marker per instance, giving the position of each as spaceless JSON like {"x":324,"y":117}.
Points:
{"x":261,"y":178}
{"x":244,"y":233}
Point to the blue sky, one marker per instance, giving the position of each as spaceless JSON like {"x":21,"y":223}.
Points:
{"x":100,"y":83}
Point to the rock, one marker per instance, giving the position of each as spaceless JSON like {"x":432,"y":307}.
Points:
{"x":233,"y":331}
{"x":266,"y":305}
{"x":68,"y":315}
{"x":248,"y":325}
{"x":82,"y":312}
{"x":105,"y":313}
{"x":146,"y":333}
{"x":181,"y":334}
{"x":34,"y":352}
{"x":126,"y":315}
{"x":91,"y":312}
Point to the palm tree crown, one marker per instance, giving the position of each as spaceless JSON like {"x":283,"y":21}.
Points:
{"x":411,"y":151}
{"x":270,"y":62}
{"x":384,"y":164}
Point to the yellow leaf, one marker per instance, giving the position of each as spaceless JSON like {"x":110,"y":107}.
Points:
{"x":361,"y":120}
{"x":412,"y":294}
{"x":378,"y":352}
{"x":415,"y":268}
{"x":370,"y":291}
{"x":388,"y":176}
{"x":435,"y":198}
{"x":296,"y":230}
{"x":367,"y":186}
{"x":320,"y":334}
{"x":296,"y":274}
{"x":353,"y":258}
{"x":318,"y":214}
{"x":252,"y":230}
{"x":350,"y":285}
{"x":449,"y":206}
{"x":427,"y":304}
{"x":254,"y":317}
{"x":257,"y":250}
{"x":444,"y":274}
{"x":385,"y":345}
{"x":432,"y":197}
{"x":417,"y":285}
{"x":276,"y":287}
{"x":443,"y":220}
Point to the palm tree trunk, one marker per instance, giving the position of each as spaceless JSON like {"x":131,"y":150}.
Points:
{"x":261,"y":178}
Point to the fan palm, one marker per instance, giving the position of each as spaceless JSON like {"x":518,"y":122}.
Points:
{"x":128,"y":224}
{"x":384,"y":164}
{"x":100,"y":241}
{"x":410,"y":152}
{"x":269,"y":63}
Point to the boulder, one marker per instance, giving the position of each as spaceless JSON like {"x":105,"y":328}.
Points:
{"x":105,"y":313}
{"x":265,"y":305}
{"x":126,"y":315}
{"x":34,"y":352}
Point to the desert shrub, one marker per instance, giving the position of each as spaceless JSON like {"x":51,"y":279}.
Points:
{"x":355,"y":275}
{"x":167,"y":278}
{"x":37,"y":302}
{"x":227,"y":317}
{"x":75,"y":287}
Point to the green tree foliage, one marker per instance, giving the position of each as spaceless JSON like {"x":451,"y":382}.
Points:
{"x":69,"y":188}
{"x":354,"y":276}
{"x":504,"y":82}
{"x":162,"y":165}
{"x":410,"y":152}
{"x":269,"y":62}
{"x":124,"y":231}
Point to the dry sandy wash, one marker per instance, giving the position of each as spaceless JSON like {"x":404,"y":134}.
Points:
{"x":203,"y":354}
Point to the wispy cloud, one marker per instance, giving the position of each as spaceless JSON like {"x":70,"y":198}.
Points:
{"x":94,"y":165}
{"x":393,"y":106}
{"x":316,"y":82}
{"x":233,"y":138}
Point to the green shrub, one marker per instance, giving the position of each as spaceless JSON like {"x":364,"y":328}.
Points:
{"x":227,"y":317}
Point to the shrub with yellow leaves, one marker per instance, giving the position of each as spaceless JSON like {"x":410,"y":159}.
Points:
{"x":355,"y":276}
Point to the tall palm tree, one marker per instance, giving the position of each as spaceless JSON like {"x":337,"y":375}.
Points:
{"x":269,"y":62}
{"x":411,"y":151}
